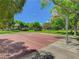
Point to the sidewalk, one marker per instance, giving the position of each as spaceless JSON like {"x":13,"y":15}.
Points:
{"x":62,"y":51}
{"x":73,"y":46}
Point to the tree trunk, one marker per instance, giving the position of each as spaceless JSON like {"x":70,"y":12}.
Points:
{"x":71,"y":30}
{"x":67,"y":40}
{"x":75,"y":26}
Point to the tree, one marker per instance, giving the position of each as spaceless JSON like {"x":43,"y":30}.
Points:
{"x":29,"y":25}
{"x":47,"y":26}
{"x":2,"y":26}
{"x":6,"y":24}
{"x":8,"y":8}
{"x":66,"y":7}
{"x":72,"y":7}
{"x":21,"y":25}
{"x":37,"y":26}
{"x":58,"y":23}
{"x":69,"y":5}
{"x":71,"y":22}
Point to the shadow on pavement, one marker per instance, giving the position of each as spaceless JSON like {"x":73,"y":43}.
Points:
{"x":16,"y":50}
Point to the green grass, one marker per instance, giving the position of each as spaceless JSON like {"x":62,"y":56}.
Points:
{"x":9,"y":32}
{"x":52,"y":31}
{"x":31,"y":31}
{"x":62,"y":32}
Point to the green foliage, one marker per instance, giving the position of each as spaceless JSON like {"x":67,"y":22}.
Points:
{"x":47,"y":26}
{"x":8,"y":8}
{"x":22,"y":25}
{"x":37,"y":26}
{"x":44,"y":3}
{"x":58,"y":23}
{"x":69,"y":10}
{"x":8,"y":32}
{"x":6,"y":24}
{"x":29,"y":25}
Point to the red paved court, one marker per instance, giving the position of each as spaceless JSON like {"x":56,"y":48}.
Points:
{"x":32,"y":40}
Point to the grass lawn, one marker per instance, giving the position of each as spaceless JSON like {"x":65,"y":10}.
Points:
{"x":9,"y":32}
{"x":60,"y":32}
{"x":54,"y":31}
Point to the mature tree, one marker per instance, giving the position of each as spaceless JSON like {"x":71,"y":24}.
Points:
{"x":21,"y":25}
{"x":59,"y":6}
{"x":58,"y":23}
{"x":72,"y":7}
{"x":71,"y":22}
{"x":37,"y":26}
{"x":47,"y":26}
{"x":67,"y":7}
{"x":8,"y":8}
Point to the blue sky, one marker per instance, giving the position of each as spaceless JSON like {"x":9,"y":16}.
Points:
{"x":32,"y":12}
